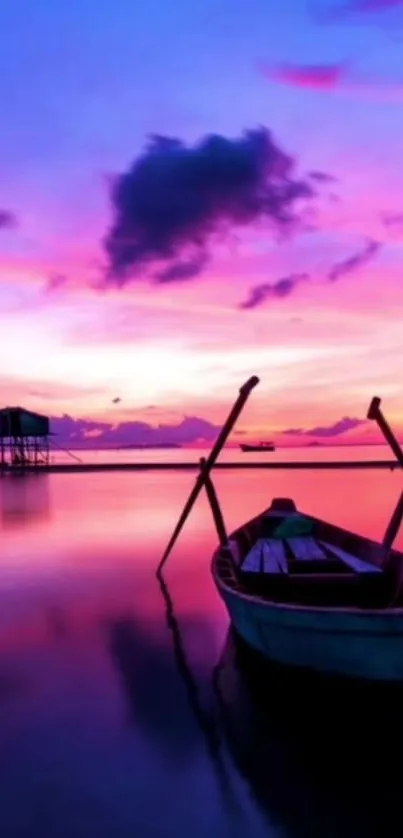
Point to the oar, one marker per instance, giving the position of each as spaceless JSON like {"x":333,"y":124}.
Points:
{"x":394,"y":524}
{"x":226,"y":429}
{"x":374,"y":412}
{"x":215,"y":506}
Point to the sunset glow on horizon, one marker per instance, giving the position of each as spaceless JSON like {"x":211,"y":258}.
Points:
{"x":142,"y":281}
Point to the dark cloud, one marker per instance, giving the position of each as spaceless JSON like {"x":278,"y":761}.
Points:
{"x":174,"y":199}
{"x":353,"y":263}
{"x":8,"y":221}
{"x":83,"y":433}
{"x":340,"y":427}
{"x":287,"y":285}
{"x":282,"y":288}
{"x":322,"y":177}
{"x":182,"y":270}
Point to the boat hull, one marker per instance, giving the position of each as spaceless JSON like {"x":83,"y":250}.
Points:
{"x":352,"y":643}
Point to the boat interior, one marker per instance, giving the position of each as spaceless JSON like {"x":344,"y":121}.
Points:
{"x":285,"y":556}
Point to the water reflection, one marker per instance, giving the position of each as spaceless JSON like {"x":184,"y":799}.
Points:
{"x":155,"y":698}
{"x":57,"y":621}
{"x":11,"y":684}
{"x":110,"y":725}
{"x":321,"y":758}
{"x":24,"y":499}
{"x":203,"y":713}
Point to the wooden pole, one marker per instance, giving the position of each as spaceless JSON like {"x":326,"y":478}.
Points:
{"x":394,"y":524}
{"x":374,"y":412}
{"x":243,"y":396}
{"x":215,"y":507}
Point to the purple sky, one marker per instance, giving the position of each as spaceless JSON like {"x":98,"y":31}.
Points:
{"x":221,"y":289}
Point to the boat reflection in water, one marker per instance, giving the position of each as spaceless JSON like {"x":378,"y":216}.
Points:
{"x":320,"y":758}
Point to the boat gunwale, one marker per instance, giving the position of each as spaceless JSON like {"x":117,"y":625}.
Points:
{"x":293,"y":606}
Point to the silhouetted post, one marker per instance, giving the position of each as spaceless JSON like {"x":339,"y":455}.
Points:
{"x":394,"y":524}
{"x":374,"y":412}
{"x":226,"y":429}
{"x":215,"y":507}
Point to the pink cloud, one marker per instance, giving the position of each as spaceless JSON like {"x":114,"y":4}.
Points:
{"x":331,"y":78}
{"x":55,"y":282}
{"x":311,"y":76}
{"x":371,"y":5}
{"x":393,"y":220}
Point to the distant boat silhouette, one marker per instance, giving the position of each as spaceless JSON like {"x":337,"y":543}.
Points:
{"x":260,"y":446}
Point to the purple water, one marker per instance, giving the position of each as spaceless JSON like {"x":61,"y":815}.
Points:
{"x":97,"y":733}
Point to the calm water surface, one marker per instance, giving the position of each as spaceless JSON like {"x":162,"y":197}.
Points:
{"x":229,"y":455}
{"x":102,"y":733}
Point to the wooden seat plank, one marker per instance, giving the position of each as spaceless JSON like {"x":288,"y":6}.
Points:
{"x":351,"y":561}
{"x":306,"y":548}
{"x":252,"y":562}
{"x":274,"y":557}
{"x":266,"y":556}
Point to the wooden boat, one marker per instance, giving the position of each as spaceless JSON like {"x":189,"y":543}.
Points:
{"x":260,"y":446}
{"x":306,"y":593}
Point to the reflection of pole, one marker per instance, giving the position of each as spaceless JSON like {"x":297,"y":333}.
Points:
{"x":204,"y":719}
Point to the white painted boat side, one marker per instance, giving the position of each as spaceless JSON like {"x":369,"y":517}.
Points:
{"x":363,"y":644}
